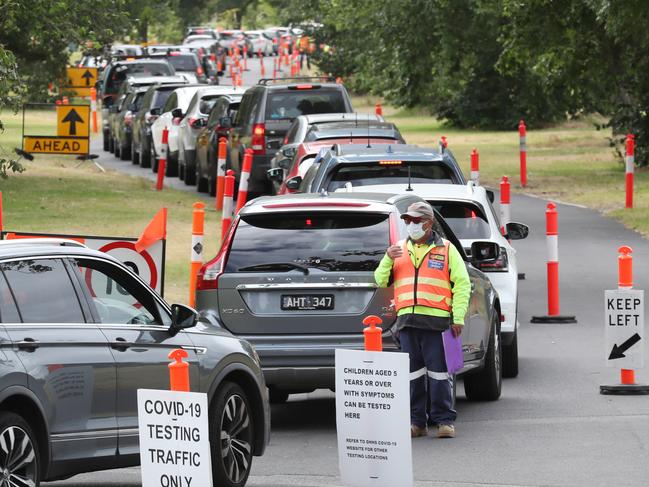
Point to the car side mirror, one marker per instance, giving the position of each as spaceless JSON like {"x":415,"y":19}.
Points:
{"x":289,"y":152}
{"x":155,"y":111}
{"x":182,"y":317}
{"x":517,"y":231}
{"x":225,"y":122}
{"x":484,"y":252}
{"x":284,"y":163}
{"x":294,"y":183}
{"x":177,"y":113}
{"x":490,"y":195}
{"x":275,"y":174}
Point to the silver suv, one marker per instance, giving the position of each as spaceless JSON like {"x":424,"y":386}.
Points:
{"x":295,"y":278}
{"x":79,"y":335}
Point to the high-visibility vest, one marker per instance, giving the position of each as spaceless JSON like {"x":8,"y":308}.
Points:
{"x":428,"y":285}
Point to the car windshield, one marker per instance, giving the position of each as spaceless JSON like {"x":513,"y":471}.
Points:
{"x":287,"y":105}
{"x":183,"y":62}
{"x":330,"y":241}
{"x":138,"y":100}
{"x":161,"y":97}
{"x":149,"y":69}
{"x":465,"y":219}
{"x":372,"y":173}
{"x":207,"y":103}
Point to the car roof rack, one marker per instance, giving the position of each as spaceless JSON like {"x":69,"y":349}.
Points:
{"x":269,"y":81}
{"x":45,"y":241}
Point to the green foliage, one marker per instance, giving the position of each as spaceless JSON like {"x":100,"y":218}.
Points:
{"x":11,"y":93}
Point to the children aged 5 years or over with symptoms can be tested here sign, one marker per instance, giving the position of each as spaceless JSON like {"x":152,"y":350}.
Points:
{"x":174,"y":439}
{"x":373,"y":418}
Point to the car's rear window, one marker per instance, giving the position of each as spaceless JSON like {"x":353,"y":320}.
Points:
{"x":373,"y":173}
{"x":465,"y":219}
{"x":329,"y":241}
{"x":149,"y":69}
{"x":207,"y":102}
{"x":183,"y":62}
{"x":161,"y":97}
{"x":287,"y":105}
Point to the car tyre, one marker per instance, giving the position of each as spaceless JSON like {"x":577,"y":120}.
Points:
{"x":189,"y":173}
{"x":231,"y":436}
{"x":106,"y":140}
{"x":510,"y":358}
{"x":135,"y":155}
{"x":486,"y":384}
{"x":125,"y":152}
{"x":116,"y":148}
{"x":202,"y":184}
{"x":277,"y":396}
{"x":154,"y":161}
{"x":211,"y":184}
{"x":19,"y":452}
{"x":111,"y":145}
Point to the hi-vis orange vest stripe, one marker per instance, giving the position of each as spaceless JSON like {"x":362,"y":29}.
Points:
{"x":429,"y":285}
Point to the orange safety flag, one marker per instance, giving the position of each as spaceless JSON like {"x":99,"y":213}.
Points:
{"x":154,"y":231}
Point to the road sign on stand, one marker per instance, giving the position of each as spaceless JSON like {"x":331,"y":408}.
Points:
{"x":373,"y":418}
{"x":174,"y":439}
{"x":73,"y":120}
{"x":624,"y":328}
{"x":80,"y":80}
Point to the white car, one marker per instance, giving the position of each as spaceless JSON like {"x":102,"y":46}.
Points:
{"x":258,"y":41}
{"x":468,"y":211}
{"x":195,"y":118}
{"x":171,"y":115}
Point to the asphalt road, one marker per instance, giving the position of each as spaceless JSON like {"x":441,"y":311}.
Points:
{"x":551,"y":426}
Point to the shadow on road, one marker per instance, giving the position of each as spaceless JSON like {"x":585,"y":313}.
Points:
{"x":307,"y":413}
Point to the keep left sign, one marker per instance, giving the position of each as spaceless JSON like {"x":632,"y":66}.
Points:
{"x":624,"y":318}
{"x":174,"y":439}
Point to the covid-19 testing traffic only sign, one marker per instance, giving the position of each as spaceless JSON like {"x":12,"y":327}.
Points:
{"x":624,"y":314}
{"x":174,"y":439}
{"x":373,"y":418}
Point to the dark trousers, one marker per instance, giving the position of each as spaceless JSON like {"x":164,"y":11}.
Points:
{"x":431,"y":387}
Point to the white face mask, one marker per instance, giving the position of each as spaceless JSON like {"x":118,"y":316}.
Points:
{"x":416,"y":230}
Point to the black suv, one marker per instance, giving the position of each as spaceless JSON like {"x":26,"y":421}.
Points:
{"x":80,"y":334}
{"x":266,"y":113}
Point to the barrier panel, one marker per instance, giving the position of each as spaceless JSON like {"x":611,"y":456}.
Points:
{"x":162,"y":162}
{"x":243,"y":180}
{"x":475,"y":167}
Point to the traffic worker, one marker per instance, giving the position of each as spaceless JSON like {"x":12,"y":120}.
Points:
{"x":431,"y":294}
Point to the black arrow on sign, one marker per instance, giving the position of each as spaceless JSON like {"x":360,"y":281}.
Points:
{"x":618,"y":352}
{"x":87,"y":75}
{"x":72,"y":118}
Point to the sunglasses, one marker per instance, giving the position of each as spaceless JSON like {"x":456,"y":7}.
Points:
{"x":413,"y":219}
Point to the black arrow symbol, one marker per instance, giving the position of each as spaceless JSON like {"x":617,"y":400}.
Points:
{"x":87,"y":75}
{"x":618,"y":352}
{"x":73,"y":118}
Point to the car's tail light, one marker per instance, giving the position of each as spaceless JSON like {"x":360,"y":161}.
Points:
{"x":176,"y":120}
{"x":501,"y":264}
{"x":208,"y":275}
{"x":259,"y":139}
{"x":199,"y":71}
{"x":194,"y":122}
{"x":128,"y":118}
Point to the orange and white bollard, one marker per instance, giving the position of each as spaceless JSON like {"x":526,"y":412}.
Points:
{"x":373,"y":334}
{"x":275,"y":62}
{"x":227,"y":203}
{"x":630,"y":163}
{"x":378,"y":110}
{"x":522,"y":139}
{"x":245,"y":57}
{"x":505,"y":200}
{"x":93,"y":109}
{"x":475,"y":167}
{"x":628,"y":385}
{"x":443,"y":143}
{"x":178,"y":370}
{"x":66,"y":101}
{"x":243,"y":180}
{"x":198,"y":231}
{"x":552,"y":243}
{"x":221,"y":162}
{"x":262,"y":68}
{"x":162,"y":162}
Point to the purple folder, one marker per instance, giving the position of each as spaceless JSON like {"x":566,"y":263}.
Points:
{"x":453,"y":351}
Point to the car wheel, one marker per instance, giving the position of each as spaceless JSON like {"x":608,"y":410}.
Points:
{"x":145,"y":157}
{"x":202,"y":184}
{"x":154,"y":161}
{"x":231,"y":435}
{"x":190,"y":174}
{"x":116,"y":148}
{"x":211,"y":184}
{"x":125,"y":152}
{"x":510,"y":357}
{"x":135,"y":155}
{"x":277,"y":396}
{"x":486,"y":384}
{"x":171,"y":170}
{"x":19,"y":455}
{"x":111,"y":144}
{"x":106,"y":140}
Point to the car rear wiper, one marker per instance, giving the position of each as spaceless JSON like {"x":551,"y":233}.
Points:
{"x":276,"y":266}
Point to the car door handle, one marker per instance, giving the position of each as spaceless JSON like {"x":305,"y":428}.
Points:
{"x":120,"y":344}
{"x":28,"y":344}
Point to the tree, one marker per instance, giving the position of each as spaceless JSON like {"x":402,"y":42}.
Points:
{"x":10,"y":97}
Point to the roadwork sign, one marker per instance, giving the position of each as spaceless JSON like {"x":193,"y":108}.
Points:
{"x":73,"y":120}
{"x":373,"y":418}
{"x":174,"y":439}
{"x":624,"y":314}
{"x":80,"y":80}
{"x":41,"y":144}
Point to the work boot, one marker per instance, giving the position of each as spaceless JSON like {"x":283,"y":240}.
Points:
{"x":446,"y":431}
{"x":417,"y":431}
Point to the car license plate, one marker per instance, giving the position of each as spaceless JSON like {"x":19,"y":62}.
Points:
{"x":298,"y":302}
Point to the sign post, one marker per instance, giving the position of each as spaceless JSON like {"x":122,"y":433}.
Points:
{"x":72,"y":133}
{"x":624,"y":321}
{"x":373,"y":418}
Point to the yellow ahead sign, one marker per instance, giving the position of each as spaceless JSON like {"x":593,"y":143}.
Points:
{"x":81,"y":77}
{"x":73,"y":120}
{"x":56,"y":145}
